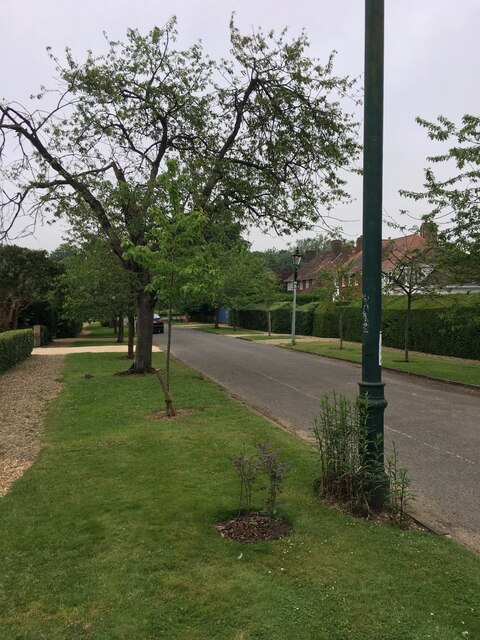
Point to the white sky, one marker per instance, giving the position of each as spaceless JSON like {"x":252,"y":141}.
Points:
{"x":432,"y":53}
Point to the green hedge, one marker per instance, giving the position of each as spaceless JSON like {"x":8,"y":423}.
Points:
{"x":15,"y":346}
{"x":325,"y":321}
{"x":255,"y":317}
{"x":447,"y":325}
{"x":281,"y":313}
{"x":50,"y":317}
{"x":68,"y":328}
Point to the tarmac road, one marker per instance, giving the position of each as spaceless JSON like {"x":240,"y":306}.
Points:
{"x":436,"y":426}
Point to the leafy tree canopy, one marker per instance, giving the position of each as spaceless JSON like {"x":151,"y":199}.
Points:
{"x":261,"y":138}
{"x":455,"y":200}
{"x":280,"y":260}
{"x":27,"y":276}
{"x":95,"y":286}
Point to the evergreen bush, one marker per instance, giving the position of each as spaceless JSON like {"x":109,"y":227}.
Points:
{"x":15,"y":346}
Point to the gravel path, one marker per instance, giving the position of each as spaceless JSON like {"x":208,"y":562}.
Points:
{"x":25,"y":392}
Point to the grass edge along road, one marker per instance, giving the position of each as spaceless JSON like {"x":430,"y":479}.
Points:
{"x":111,"y":533}
{"x":430,"y":366}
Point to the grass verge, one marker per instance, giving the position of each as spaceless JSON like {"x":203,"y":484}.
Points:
{"x":98,"y":336}
{"x":274,"y":336}
{"x":225,"y":330}
{"x":111,"y":533}
{"x":452,"y":369}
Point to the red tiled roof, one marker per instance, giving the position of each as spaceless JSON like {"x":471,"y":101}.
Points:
{"x":352,"y":259}
{"x":395,"y":248}
{"x":323,"y":260}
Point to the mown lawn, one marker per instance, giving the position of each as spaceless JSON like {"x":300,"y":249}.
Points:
{"x":455,"y":370}
{"x":111,"y":533}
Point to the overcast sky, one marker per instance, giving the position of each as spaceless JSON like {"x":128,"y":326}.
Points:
{"x":432,"y":53}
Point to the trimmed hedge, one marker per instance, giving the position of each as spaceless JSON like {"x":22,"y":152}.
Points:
{"x":325,"y":321}
{"x":255,"y":318}
{"x":447,"y":325}
{"x":15,"y":346}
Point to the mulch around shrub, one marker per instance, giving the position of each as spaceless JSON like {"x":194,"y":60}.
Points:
{"x":253,"y":528}
{"x":376,"y":517}
{"x":179,"y":413}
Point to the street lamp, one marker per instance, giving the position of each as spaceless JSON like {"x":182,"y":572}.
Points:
{"x":371,"y":386}
{"x":296,"y":257}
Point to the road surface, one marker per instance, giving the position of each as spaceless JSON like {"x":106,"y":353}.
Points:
{"x":435,"y":425}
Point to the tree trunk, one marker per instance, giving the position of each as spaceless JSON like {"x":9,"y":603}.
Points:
{"x":115,"y":326}
{"x":16,"y":316}
{"x":269,"y":322}
{"x":217,"y":313}
{"x":143,"y":352}
{"x":121,"y":330}
{"x":169,"y":408}
{"x":131,"y":336}
{"x":407,"y":327}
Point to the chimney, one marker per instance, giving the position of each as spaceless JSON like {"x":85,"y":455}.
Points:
{"x":428,"y":230}
{"x":336,"y":247}
{"x":359,"y":244}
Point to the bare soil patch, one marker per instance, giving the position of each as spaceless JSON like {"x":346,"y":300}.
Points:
{"x":129,"y":372}
{"x":253,"y":528}
{"x":379,"y":517}
{"x":179,"y":413}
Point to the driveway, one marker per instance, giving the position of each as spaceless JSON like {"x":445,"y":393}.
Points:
{"x":436,"y":426}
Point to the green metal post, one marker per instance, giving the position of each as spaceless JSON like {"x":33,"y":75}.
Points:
{"x":294,"y":310}
{"x":371,"y":386}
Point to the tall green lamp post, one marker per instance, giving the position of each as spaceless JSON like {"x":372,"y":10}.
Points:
{"x":296,"y":257}
{"x":371,"y":386}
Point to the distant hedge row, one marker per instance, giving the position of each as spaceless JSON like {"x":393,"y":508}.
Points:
{"x":15,"y":346}
{"x":44,"y":314}
{"x":448,"y":325}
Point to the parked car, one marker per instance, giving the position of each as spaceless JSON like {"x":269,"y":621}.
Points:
{"x":157,"y":324}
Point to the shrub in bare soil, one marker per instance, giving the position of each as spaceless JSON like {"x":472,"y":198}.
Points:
{"x":253,"y":526}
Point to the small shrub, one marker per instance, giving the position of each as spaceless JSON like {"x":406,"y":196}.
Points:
{"x":276,"y":471}
{"x":265,"y":463}
{"x":399,"y":495}
{"x":247,"y":469}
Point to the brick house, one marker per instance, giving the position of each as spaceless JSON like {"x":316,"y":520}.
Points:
{"x":350,"y":260}
{"x":309,"y":274}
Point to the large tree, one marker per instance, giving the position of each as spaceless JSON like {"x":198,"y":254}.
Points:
{"x":27,"y":276}
{"x":95,"y":285}
{"x":262,"y":138}
{"x":454,"y":198}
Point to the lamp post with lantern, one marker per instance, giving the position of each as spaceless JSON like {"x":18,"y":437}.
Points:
{"x":296,"y":257}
